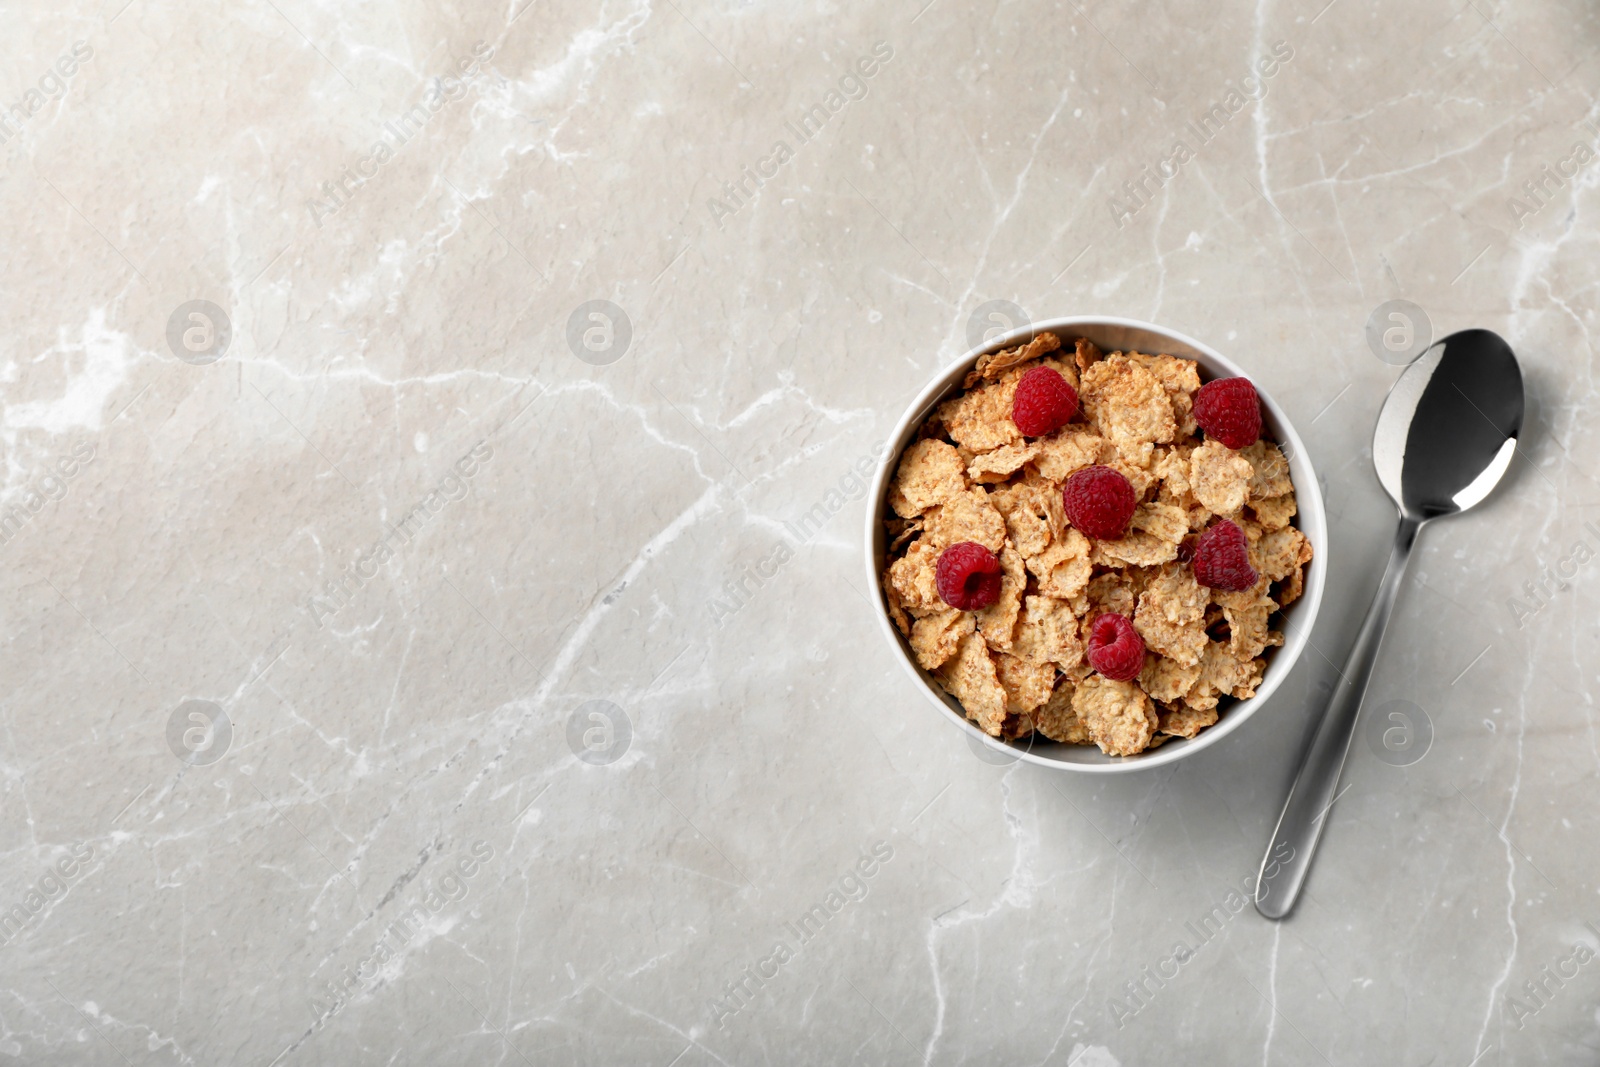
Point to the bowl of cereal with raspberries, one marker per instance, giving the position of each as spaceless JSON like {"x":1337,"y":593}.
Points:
{"x":1096,"y":544}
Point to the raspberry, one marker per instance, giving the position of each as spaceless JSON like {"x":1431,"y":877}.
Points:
{"x":1099,"y":501}
{"x":1115,"y":648}
{"x":1222,"y":558}
{"x":1044,"y":402}
{"x":1229,"y":410}
{"x":968,"y":576}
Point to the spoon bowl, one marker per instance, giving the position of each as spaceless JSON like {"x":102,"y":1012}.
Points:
{"x":1444,"y":439}
{"x":1449,"y":426}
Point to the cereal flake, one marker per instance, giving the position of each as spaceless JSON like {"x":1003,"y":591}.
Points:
{"x":1219,"y":477}
{"x":998,"y":621}
{"x":970,"y":678}
{"x":1181,"y":379}
{"x":1166,"y":679}
{"x":1116,"y":592}
{"x":1026,"y":516}
{"x":935,"y":638}
{"x":966,"y":516}
{"x":1222,"y":674}
{"x":930,"y":473}
{"x":1171,"y":616}
{"x":1048,"y":494}
{"x":1056,"y":719}
{"x":1070,"y":449}
{"x":1152,"y":539}
{"x":910,"y":580}
{"x":990,"y":366}
{"x":980,"y":419}
{"x":997,"y":465}
{"x":1269,"y":470}
{"x":1279,"y":552}
{"x":1186,"y":722}
{"x":1130,"y":407}
{"x":1048,"y":632}
{"x":1027,"y":683}
{"x":1063,"y":569}
{"x":1291,"y":588}
{"x":1085,"y":353}
{"x":902,"y":530}
{"x":1118,"y":714}
{"x":1274,"y":513}
{"x":1247,"y":614}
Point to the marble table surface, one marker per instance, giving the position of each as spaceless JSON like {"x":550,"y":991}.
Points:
{"x":413,"y":650}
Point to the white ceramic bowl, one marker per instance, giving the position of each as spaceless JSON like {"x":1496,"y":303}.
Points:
{"x":1111,"y":334}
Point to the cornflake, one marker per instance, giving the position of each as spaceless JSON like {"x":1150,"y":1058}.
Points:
{"x":1048,"y":633}
{"x":1221,"y":673}
{"x":1291,"y":588}
{"x":1171,"y":616}
{"x":1181,"y":379}
{"x":966,"y":516}
{"x":1026,"y":516}
{"x":1027,"y":683}
{"x":1118,"y":715}
{"x":998,"y":621}
{"x":1016,"y":726}
{"x":1167,"y":680}
{"x":930,"y":473}
{"x":1129,"y":405}
{"x":1280,"y":552}
{"x":995,"y":466}
{"x":1115,"y":592}
{"x":1219,"y":477}
{"x":1269,"y":470}
{"x":1056,"y":719}
{"x":1247,"y":614}
{"x":1153,"y":536}
{"x":1063,"y":569}
{"x":1070,"y":449}
{"x":970,"y":678}
{"x":910,"y":580}
{"x":990,"y":366}
{"x":1171,"y":467}
{"x":1048,"y":494}
{"x":1018,"y":666}
{"x":1281,"y":557}
{"x":908,"y":528}
{"x":1186,"y":722}
{"x":1140,"y":478}
{"x":1275,"y":512}
{"x":1085,"y":353}
{"x":981,"y":419}
{"x":935,"y":638}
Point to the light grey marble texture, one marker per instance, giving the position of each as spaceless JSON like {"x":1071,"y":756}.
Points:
{"x":307,"y":619}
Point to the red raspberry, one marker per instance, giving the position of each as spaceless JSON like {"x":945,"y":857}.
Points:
{"x":1229,"y":410}
{"x":1099,"y":501}
{"x":1222,"y":558}
{"x":1044,"y":402}
{"x":1115,"y":648}
{"x":968,"y":576}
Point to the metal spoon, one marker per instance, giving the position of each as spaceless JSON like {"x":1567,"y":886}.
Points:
{"x":1445,"y":436}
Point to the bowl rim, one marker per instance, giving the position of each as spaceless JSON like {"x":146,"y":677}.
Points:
{"x":1311,"y":521}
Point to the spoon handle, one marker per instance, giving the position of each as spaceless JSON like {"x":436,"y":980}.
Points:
{"x":1288,"y":858}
